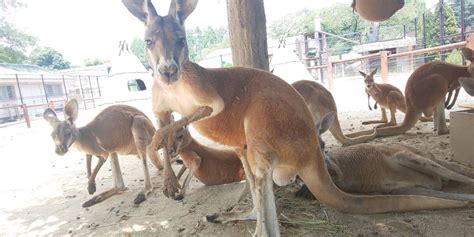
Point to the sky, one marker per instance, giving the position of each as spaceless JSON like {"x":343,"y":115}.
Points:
{"x":82,"y":29}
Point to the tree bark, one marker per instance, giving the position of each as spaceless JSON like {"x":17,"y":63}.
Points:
{"x":248,"y":33}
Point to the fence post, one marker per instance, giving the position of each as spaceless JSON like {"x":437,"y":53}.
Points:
{"x":26,"y":115}
{"x":44,"y":88}
{"x":330,"y":80}
{"x":92,"y":93}
{"x":19,"y":89}
{"x":384,"y":66}
{"x":65,"y":88}
{"x":82,"y":93}
{"x":98,"y":85}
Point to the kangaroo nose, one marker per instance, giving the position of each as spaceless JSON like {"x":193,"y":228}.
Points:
{"x":168,"y":70}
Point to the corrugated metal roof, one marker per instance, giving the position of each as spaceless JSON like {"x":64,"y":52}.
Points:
{"x":6,"y":68}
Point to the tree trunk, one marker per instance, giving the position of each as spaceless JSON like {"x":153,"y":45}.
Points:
{"x":248,"y":33}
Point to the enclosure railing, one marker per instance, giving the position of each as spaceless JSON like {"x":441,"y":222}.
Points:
{"x":385,"y":61}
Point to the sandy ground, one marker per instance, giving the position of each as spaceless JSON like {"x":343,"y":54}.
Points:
{"x":41,"y":193}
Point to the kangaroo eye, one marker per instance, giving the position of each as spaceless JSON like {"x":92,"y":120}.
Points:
{"x":181,"y":41}
{"x":148,"y":42}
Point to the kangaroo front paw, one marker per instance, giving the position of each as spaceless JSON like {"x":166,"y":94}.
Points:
{"x":91,"y":188}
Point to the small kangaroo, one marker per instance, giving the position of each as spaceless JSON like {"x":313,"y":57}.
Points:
{"x":391,"y":169}
{"x":377,"y":10}
{"x":118,"y":129}
{"x":208,"y":165}
{"x":425,"y":92}
{"x":320,"y":102}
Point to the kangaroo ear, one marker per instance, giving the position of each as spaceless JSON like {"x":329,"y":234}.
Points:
{"x":141,"y":9}
{"x":71,"y":110}
{"x":325,"y":122}
{"x":468,"y":54}
{"x":181,"y":9}
{"x":50,"y":116}
{"x":362,"y":73}
{"x":373,"y":72}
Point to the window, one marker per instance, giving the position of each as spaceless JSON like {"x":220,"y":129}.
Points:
{"x":54,"y":90}
{"x":136,"y":85}
{"x":7,"y":93}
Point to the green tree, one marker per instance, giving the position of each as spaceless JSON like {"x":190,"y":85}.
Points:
{"x":48,"y":58}
{"x":200,"y":42}
{"x":13,"y":42}
{"x":93,"y":62}
{"x":138,"y":48}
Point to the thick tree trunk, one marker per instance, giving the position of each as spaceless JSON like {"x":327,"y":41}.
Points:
{"x":248,"y":33}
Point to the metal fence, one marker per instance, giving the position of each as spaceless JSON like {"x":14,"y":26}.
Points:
{"x":24,"y":96}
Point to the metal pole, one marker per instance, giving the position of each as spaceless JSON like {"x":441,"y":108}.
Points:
{"x":92,"y":93}
{"x":404,"y":31}
{"x":423,"y":42}
{"x":44,"y":88}
{"x":65,"y":89}
{"x":82,"y":93}
{"x":98,"y":86}
{"x":19,"y":89}
{"x":463,"y":21}
{"x":415,"y":21}
{"x":441,"y":22}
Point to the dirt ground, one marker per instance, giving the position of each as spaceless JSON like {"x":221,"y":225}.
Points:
{"x":41,"y":194}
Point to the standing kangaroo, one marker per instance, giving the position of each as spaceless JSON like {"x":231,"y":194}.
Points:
{"x":320,"y":102}
{"x":258,"y":114}
{"x":210,"y":166}
{"x":377,"y":10}
{"x":393,"y":169}
{"x":387,"y":96}
{"x":425,"y":92}
{"x":118,"y":129}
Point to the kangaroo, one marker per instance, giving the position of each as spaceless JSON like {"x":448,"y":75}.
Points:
{"x":393,"y":169}
{"x":377,"y":10}
{"x":467,"y":84}
{"x":118,"y":129}
{"x":388,"y":97}
{"x":320,"y":102}
{"x":425,"y":91}
{"x":208,"y":165}
{"x":253,"y":111}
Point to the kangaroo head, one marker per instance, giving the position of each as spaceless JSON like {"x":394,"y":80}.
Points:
{"x":368,"y":78}
{"x":165,"y":37}
{"x":64,"y":132}
{"x":178,"y":140}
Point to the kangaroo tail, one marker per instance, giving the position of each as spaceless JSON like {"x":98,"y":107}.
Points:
{"x":336,"y":131}
{"x":411,"y":117}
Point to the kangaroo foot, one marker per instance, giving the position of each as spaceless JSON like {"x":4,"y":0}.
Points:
{"x":101,"y":197}
{"x":386,"y":125}
{"x":142,"y":196}
{"x":442,"y":131}
{"x":232,"y":216}
{"x":91,"y":188}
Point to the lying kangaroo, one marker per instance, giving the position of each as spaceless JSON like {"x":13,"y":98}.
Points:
{"x":393,"y":169}
{"x":258,"y":114}
{"x":320,"y":102}
{"x":388,"y":97}
{"x":377,"y":10}
{"x":425,"y":91}
{"x":118,"y":129}
{"x":210,"y":166}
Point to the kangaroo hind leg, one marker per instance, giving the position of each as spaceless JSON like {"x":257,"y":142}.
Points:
{"x":141,"y":139}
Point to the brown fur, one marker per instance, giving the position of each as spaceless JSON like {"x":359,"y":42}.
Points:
{"x":258,"y":114}
{"x":118,"y":129}
{"x":320,"y":102}
{"x":425,"y":92}
{"x":208,"y":165}
{"x":377,"y":10}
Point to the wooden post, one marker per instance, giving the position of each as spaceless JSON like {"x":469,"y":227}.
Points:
{"x":26,"y":115}
{"x":384,"y":66}
{"x":51,"y":105}
{"x":330,"y":80}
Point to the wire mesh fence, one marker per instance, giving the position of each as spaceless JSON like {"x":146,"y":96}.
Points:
{"x":25,"y":96}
